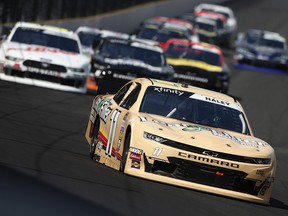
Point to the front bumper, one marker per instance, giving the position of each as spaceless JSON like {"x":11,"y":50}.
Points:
{"x":112,"y":80}
{"x":228,"y":182}
{"x":264,"y":62}
{"x":58,"y":78}
{"x":211,"y":80}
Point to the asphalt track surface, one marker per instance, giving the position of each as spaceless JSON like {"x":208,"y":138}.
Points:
{"x":45,"y":168}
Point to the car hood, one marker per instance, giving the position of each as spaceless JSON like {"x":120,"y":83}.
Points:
{"x":206,"y":137}
{"x":44,"y":54}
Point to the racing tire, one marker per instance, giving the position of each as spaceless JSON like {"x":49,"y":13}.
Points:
{"x":125,"y":152}
{"x":94,"y":139}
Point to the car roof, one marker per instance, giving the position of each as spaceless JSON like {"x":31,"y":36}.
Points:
{"x":57,"y":30}
{"x":136,"y":42}
{"x":266,"y":34}
{"x":215,"y":7}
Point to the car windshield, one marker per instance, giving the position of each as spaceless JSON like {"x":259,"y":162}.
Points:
{"x":260,"y":41}
{"x":44,"y":38}
{"x":193,"y":53}
{"x":205,"y":26}
{"x":87,"y":39}
{"x":160,"y":35}
{"x":193,"y":108}
{"x":272,"y":43}
{"x":116,"y":50}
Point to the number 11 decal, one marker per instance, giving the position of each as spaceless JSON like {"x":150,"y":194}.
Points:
{"x":157,"y":151}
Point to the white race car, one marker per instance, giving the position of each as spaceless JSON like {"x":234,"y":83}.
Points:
{"x":230,"y":27}
{"x":91,"y":37}
{"x":44,"y":56}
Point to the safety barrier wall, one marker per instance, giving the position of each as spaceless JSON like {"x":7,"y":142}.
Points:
{"x":126,"y":20}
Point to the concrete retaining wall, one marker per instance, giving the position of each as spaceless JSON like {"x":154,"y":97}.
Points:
{"x":127,"y":20}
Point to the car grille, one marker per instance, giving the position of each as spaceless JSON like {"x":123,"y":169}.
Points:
{"x":205,"y":174}
{"x":198,"y":150}
{"x":45,"y":66}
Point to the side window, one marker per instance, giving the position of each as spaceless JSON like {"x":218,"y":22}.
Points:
{"x":132,"y":97}
{"x":121,"y":93}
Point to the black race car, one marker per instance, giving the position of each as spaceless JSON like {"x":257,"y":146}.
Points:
{"x":117,"y":61}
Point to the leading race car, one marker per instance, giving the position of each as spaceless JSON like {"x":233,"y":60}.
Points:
{"x":181,"y":135}
{"x":261,"y":49}
{"x":44,"y":56}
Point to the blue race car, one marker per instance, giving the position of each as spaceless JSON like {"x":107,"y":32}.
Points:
{"x":261,"y":49}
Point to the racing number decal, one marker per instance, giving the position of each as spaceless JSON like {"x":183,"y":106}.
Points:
{"x":113,"y":124}
{"x":157,"y":151}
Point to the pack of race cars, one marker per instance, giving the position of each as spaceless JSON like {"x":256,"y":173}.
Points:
{"x":156,"y":123}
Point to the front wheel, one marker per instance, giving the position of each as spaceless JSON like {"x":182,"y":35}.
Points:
{"x":125,"y":152}
{"x":94,"y":139}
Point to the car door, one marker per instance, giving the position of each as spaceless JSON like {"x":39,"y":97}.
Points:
{"x":117,"y":119}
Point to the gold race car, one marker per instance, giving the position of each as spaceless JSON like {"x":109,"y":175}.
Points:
{"x":181,"y":135}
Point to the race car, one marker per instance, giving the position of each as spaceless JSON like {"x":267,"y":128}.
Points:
{"x":44,"y":56}
{"x":199,"y":64}
{"x":181,"y":135}
{"x":162,"y":33}
{"x":161,"y":21}
{"x":91,"y":37}
{"x":117,"y":61}
{"x":210,"y":27}
{"x":229,"y":30}
{"x":220,"y":9}
{"x":261,"y":49}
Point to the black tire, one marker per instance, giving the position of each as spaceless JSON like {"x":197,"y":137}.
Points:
{"x":125,"y":151}
{"x":95,"y":138}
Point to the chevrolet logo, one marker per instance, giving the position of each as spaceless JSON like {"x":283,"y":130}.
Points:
{"x":210,"y":153}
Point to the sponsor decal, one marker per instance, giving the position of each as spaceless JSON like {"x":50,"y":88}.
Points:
{"x":195,"y":128}
{"x":190,"y":77}
{"x":153,"y":137}
{"x":144,"y":119}
{"x":136,"y":150}
{"x":135,"y":156}
{"x":121,"y":133}
{"x":167,"y":90}
{"x":214,"y":100}
{"x":43,"y":71}
{"x":102,"y":107}
{"x":166,"y":82}
{"x":212,"y":161}
{"x":241,"y":141}
{"x":135,"y":164}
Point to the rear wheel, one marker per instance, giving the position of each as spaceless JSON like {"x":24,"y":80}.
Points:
{"x":95,"y":138}
{"x":125,"y":151}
